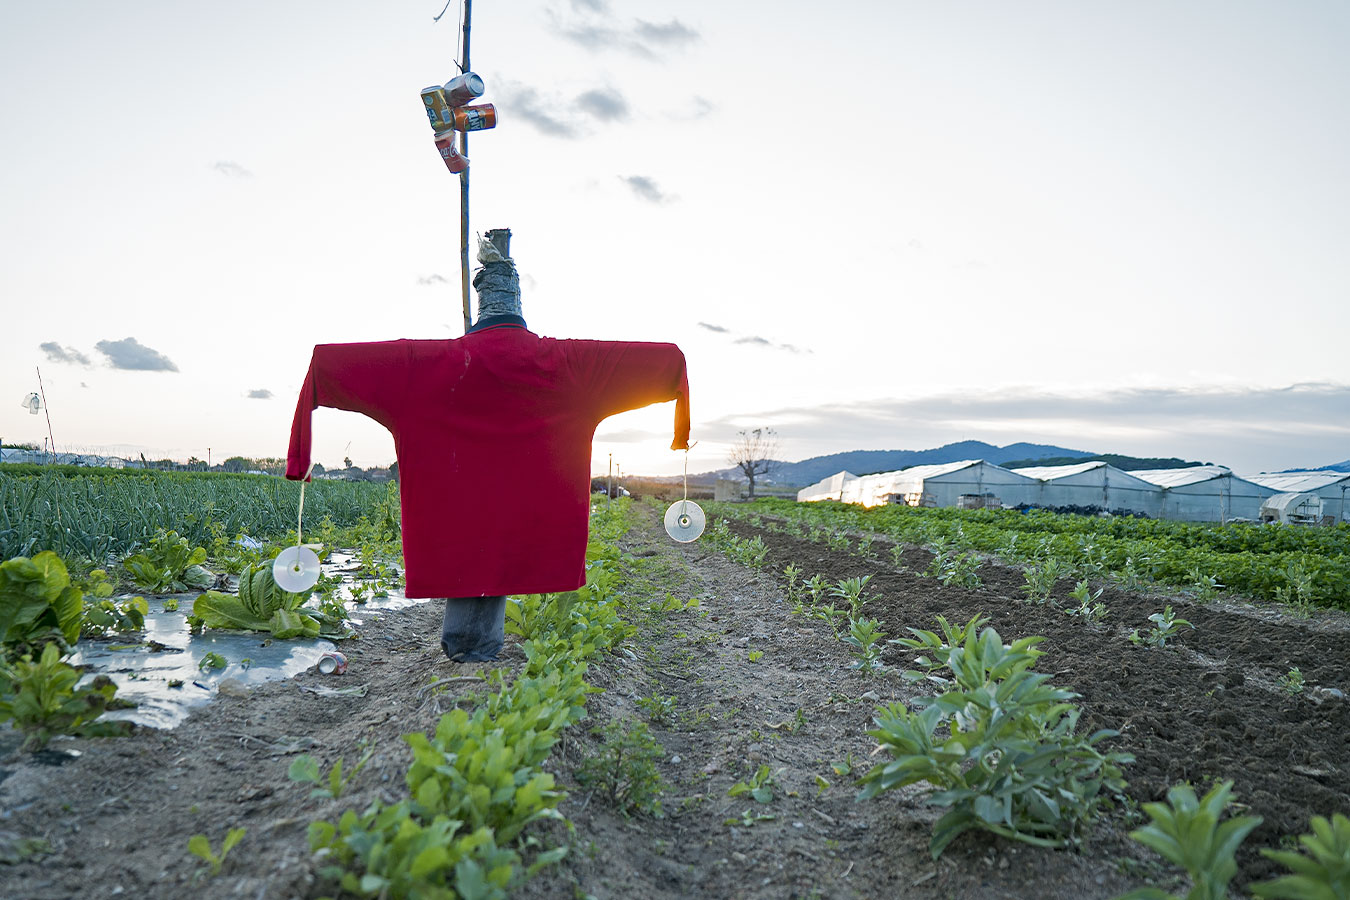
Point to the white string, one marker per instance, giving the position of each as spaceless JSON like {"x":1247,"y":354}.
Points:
{"x":300,"y":516}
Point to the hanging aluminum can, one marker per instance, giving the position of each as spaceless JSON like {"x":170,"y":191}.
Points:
{"x":463,"y":89}
{"x":454,"y":161}
{"x":333,"y":662}
{"x":439,"y":112}
{"x":475,"y":118}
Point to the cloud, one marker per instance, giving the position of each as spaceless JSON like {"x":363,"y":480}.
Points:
{"x":1248,"y":428}
{"x":672,"y":34}
{"x":232,"y":169}
{"x":605,"y":104}
{"x":259,"y":394}
{"x":130,"y":353}
{"x":590,"y":27}
{"x":525,"y":104}
{"x":753,"y":339}
{"x":433,"y":278}
{"x":646,"y":189}
{"x":56,"y":353}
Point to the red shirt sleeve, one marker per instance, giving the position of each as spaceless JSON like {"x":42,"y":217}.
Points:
{"x":620,"y":376}
{"x":366,"y":378}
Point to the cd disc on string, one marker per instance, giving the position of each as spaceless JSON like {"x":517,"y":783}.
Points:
{"x":685,"y":521}
{"x":296,"y":569}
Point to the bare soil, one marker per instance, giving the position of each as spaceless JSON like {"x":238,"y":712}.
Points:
{"x":116,"y":819}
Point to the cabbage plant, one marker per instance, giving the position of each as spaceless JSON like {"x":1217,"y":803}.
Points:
{"x":261,"y":605}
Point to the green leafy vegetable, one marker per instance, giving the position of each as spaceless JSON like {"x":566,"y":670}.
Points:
{"x":43,"y":701}
{"x":37,"y":603}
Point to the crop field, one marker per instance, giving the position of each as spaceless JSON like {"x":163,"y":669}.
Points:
{"x":812,"y":700}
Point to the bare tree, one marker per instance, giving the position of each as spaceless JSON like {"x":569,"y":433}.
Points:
{"x":753,"y":453}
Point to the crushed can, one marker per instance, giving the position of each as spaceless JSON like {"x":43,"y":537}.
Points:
{"x":474,"y":118}
{"x":333,"y":663}
{"x":462,"y":89}
{"x":454,"y":160}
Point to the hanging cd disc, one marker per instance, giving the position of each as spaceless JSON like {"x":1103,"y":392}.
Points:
{"x":296,"y":569}
{"x":685,"y":521}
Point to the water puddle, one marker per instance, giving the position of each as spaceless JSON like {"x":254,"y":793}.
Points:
{"x":160,"y":669}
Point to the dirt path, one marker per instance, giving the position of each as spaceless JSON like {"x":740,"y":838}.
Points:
{"x":116,"y":819}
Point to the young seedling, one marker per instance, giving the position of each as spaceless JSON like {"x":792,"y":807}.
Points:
{"x":851,"y":591}
{"x":212,"y":661}
{"x":865,"y":638}
{"x":305,"y":769}
{"x":1292,"y":681}
{"x":760,"y":785}
{"x":1090,"y":607}
{"x":199,"y":845}
{"x":1206,"y":587}
{"x":1165,"y":628}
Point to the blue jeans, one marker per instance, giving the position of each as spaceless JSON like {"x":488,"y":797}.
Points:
{"x":473,"y":628}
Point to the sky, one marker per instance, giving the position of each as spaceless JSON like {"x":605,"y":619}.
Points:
{"x":1114,"y":227}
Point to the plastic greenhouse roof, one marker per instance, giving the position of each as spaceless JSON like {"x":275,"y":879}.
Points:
{"x":1171,"y":478}
{"x":1045,"y":473}
{"x":1298,"y":481}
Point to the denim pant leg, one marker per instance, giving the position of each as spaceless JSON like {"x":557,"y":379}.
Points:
{"x":473,"y":628}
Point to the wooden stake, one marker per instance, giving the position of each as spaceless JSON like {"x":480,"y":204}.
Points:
{"x":464,"y":188}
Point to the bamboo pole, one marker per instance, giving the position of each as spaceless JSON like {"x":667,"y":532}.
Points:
{"x":464,"y":188}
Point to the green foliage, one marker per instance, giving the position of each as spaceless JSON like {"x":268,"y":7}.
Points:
{"x":1090,"y":607}
{"x":100,"y":513}
{"x":850,"y":590}
{"x":169,"y":564}
{"x":1165,"y":627}
{"x":660,"y":710}
{"x":200,"y":846}
{"x":624,"y":768}
{"x":748,"y":552}
{"x":1189,"y":833}
{"x":108,"y":616}
{"x":476,"y":782}
{"x":1041,"y":580}
{"x":37,"y":604}
{"x":262,"y":605}
{"x":1321,"y":873}
{"x":1206,"y":587}
{"x":864,"y":638}
{"x":999,"y":749}
{"x":42,"y":700}
{"x":212,"y":660}
{"x":305,"y":769}
{"x":759,"y":786}
{"x":1292,"y":681}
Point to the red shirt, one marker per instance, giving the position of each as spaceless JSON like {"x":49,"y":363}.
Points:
{"x":493,"y":434}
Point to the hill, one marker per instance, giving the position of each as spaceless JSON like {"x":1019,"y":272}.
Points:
{"x":1342,"y":466}
{"x":865,"y":462}
{"x":1125,"y":463}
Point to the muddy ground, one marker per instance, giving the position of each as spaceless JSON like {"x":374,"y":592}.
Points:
{"x":115,"y":820}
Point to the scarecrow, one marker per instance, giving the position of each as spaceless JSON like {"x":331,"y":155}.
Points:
{"x":493,"y":435}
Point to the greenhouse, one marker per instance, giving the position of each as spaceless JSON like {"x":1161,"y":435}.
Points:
{"x":971,"y":483}
{"x":1330,"y":486}
{"x":1206,"y":494}
{"x":1093,"y":484}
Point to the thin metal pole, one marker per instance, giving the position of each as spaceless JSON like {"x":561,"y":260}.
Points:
{"x":464,"y":187}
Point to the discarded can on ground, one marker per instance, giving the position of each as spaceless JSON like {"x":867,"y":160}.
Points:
{"x":454,"y":160}
{"x":439,"y":111}
{"x":463,"y":89}
{"x":333,"y":663}
{"x":475,"y":118}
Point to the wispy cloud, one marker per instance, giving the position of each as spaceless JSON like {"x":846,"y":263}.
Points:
{"x":752,"y":340}
{"x":670,"y":34}
{"x":646,"y":189}
{"x":231,"y":169}
{"x":525,"y":104}
{"x":606,"y":104}
{"x":56,"y":353}
{"x":589,"y":26}
{"x":130,"y":353}
{"x":259,"y":394}
{"x":433,"y":278}
{"x":1248,"y":428}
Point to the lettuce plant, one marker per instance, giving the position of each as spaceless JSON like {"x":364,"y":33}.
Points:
{"x":43,"y":701}
{"x":261,"y":605}
{"x":169,"y":564}
{"x":38,"y":603}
